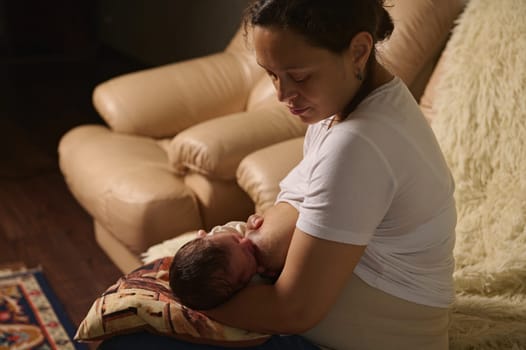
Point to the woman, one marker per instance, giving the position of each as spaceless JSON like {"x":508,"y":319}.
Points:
{"x":370,"y":262}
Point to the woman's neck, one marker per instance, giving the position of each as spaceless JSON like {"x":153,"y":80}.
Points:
{"x":377,"y":76}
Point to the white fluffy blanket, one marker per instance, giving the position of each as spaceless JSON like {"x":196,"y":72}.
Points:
{"x":481,"y":126}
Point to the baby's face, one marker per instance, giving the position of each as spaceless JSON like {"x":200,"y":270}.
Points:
{"x":243,"y":263}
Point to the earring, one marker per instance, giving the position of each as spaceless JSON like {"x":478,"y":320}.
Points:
{"x":359,"y":75}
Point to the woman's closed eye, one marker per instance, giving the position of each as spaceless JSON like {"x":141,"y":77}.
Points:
{"x":272,"y":75}
{"x":299,"y":78}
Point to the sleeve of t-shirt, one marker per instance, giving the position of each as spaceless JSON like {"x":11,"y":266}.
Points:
{"x":349,"y":189}
{"x":292,"y":187}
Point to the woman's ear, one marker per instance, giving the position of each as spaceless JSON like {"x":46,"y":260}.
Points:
{"x":360,"y":50}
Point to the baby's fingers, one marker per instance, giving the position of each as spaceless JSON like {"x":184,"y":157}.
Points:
{"x":254,"y":221}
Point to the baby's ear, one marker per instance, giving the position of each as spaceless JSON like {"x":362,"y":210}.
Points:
{"x":201,"y":233}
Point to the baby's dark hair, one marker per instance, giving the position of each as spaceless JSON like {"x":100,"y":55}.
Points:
{"x":330,"y":24}
{"x":198,"y":275}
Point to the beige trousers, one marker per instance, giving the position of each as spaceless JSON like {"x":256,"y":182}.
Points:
{"x":366,"y":318}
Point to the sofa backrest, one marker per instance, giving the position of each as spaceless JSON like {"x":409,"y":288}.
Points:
{"x":421,"y":31}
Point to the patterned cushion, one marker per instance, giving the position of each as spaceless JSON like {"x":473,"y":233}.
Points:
{"x":142,"y":300}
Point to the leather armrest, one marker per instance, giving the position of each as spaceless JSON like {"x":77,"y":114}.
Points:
{"x":160,"y":102}
{"x":216,"y":147}
{"x":260,"y":173}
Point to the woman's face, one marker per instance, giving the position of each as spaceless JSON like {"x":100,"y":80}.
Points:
{"x":313,"y":82}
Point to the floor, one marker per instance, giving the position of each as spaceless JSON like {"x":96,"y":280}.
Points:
{"x":40,"y":222}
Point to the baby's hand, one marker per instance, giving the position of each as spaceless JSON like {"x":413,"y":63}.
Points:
{"x":201,"y":233}
{"x":254,"y":222}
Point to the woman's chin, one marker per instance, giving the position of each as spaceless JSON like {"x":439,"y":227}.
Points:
{"x":309,"y":118}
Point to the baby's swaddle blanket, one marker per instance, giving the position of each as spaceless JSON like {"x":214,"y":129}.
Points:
{"x":171,"y":246}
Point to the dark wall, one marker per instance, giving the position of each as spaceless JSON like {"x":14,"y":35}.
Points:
{"x":163,"y":31}
{"x":31,"y":28}
{"x":151,"y":31}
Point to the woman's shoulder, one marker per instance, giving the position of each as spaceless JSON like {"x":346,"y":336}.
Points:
{"x":390,"y":106}
{"x":388,"y":99}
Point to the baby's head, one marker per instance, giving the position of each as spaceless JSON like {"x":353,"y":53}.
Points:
{"x":208,"y":270}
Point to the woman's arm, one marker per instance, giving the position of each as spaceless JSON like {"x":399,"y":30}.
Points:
{"x":315,"y":273}
{"x":272,"y":237}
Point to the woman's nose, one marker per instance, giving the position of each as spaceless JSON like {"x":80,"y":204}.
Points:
{"x":285,"y":91}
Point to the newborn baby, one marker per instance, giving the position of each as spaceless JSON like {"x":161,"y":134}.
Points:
{"x":210,"y":268}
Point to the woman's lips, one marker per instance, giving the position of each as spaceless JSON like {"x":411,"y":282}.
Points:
{"x":298,"y":111}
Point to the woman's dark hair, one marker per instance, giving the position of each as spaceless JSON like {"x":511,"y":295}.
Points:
{"x":198,"y":275}
{"x":330,"y":24}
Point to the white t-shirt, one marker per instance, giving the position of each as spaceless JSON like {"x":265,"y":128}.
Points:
{"x":379,"y":179}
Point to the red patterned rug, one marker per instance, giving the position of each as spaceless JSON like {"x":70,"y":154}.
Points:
{"x":31,"y":317}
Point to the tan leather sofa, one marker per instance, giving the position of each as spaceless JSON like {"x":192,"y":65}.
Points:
{"x":201,"y":142}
